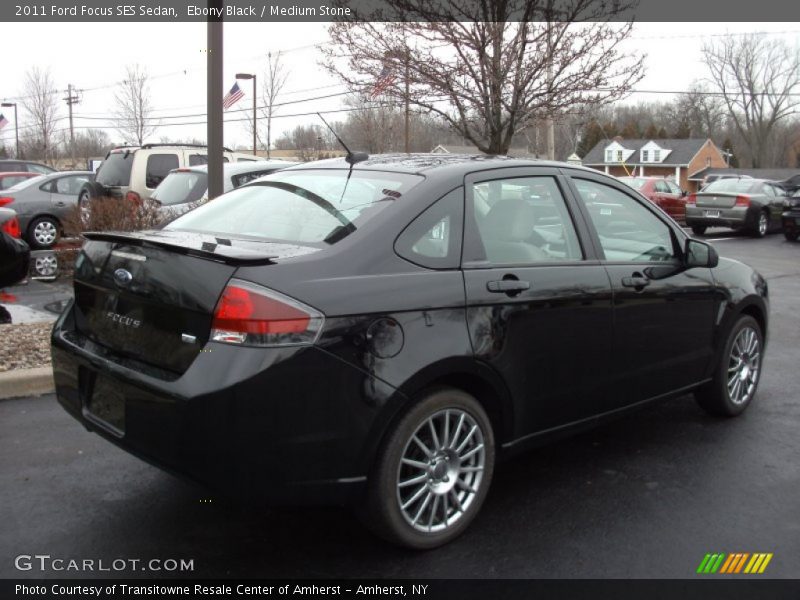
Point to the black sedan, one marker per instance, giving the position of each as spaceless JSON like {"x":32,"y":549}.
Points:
{"x":791,"y":218}
{"x":380,"y":331}
{"x":753,"y":205}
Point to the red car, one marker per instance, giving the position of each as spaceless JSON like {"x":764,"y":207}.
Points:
{"x":8,"y":180}
{"x":664,"y":193}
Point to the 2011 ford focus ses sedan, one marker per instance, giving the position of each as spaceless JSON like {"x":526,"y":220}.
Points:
{"x":380,"y":331}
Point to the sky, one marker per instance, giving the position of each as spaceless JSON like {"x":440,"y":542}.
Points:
{"x":92,"y":58}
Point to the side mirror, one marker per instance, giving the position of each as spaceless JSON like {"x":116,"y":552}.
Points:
{"x":700,"y":254}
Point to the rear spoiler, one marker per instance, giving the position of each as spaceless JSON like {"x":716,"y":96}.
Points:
{"x":201,"y":245}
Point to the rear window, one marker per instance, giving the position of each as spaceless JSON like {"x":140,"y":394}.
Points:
{"x":116,"y":169}
{"x":309,"y":206}
{"x":26,"y":183}
{"x":635,"y":182}
{"x":158,"y":167}
{"x":733,"y":186}
{"x":181,"y":187}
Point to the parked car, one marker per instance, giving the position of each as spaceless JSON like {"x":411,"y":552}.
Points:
{"x":751,"y":204}
{"x":380,"y":333}
{"x":9,"y":165}
{"x":14,"y":252}
{"x":790,"y":219}
{"x":717,"y":176}
{"x":662,"y":192}
{"x":186,"y":188}
{"x":12,"y":178}
{"x":134,"y":172}
{"x":43,"y":203}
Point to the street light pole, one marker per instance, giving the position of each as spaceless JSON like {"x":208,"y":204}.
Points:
{"x":253,"y":77}
{"x":16,"y":122}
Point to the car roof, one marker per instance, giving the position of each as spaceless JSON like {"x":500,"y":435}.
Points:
{"x":419,"y":163}
{"x":236,"y":168}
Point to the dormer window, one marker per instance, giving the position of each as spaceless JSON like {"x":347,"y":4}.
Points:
{"x":645,"y":155}
{"x":619,"y":155}
{"x":656,"y":155}
{"x":609,"y":156}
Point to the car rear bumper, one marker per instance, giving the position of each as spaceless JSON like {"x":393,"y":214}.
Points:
{"x":286,"y":426}
{"x":738,"y":217}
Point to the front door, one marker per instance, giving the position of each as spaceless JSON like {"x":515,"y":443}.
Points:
{"x":538,"y":303}
{"x":663,"y":312}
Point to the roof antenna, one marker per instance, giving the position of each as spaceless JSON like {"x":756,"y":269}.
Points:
{"x":352,"y":157}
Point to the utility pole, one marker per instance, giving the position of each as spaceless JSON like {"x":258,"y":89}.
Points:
{"x":70,"y":100}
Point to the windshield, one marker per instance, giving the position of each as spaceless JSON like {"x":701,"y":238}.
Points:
{"x":635,"y":182}
{"x":181,"y":187}
{"x":116,"y":169}
{"x":733,"y":186}
{"x":26,"y":183}
{"x":308,"y":206}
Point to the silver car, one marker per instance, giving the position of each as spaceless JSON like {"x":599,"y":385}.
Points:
{"x":43,"y":203}
{"x":186,"y":188}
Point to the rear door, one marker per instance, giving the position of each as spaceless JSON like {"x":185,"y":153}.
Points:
{"x":64,"y":193}
{"x":663,"y":312}
{"x":538,"y":302}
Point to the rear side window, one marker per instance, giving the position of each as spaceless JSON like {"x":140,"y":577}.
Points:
{"x":309,"y":206}
{"x":158,"y":167}
{"x":433,"y":239}
{"x":243,"y":178}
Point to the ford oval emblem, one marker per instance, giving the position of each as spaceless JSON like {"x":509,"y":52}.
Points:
{"x":122,"y":277}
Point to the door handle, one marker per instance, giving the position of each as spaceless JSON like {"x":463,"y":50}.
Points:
{"x":636,"y":281}
{"x":505,"y":286}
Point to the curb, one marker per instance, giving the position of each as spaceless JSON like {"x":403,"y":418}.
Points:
{"x":26,"y":382}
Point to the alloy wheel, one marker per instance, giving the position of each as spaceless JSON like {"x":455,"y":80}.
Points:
{"x":762,"y":224}
{"x":441,"y":470}
{"x":744,"y":366}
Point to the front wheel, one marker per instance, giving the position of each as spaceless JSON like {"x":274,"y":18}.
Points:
{"x":433,"y":472}
{"x":699,"y":229}
{"x":791,"y":235}
{"x":737,"y":373}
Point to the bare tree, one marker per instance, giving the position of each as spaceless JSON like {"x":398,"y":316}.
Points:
{"x":488,"y":67}
{"x":133,"y":109}
{"x":276,"y":78}
{"x":40,"y":100}
{"x":758,"y":80}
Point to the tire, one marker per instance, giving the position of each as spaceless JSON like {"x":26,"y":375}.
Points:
{"x":85,"y":207}
{"x":762,"y":225}
{"x":744,"y":352}
{"x":448,"y":491}
{"x":699,"y":229}
{"x":791,"y":235}
{"x":43,"y":233}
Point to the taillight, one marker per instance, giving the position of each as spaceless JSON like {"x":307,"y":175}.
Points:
{"x":691,"y":199}
{"x":11,"y":227}
{"x":742,"y":201}
{"x":249,"y":314}
{"x":5,"y":200}
{"x":133,"y":197}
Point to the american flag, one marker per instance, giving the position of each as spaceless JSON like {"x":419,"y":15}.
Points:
{"x":232,"y":97}
{"x":3,"y":121}
{"x":385,"y":79}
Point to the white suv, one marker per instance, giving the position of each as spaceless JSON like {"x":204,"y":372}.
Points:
{"x":133,"y":172}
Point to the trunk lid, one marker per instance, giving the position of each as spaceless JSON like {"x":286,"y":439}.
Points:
{"x":151,"y":296}
{"x":716,"y":200}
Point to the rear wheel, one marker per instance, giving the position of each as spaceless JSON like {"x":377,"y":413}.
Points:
{"x":762,"y":225}
{"x":738,"y":371}
{"x":699,"y":229}
{"x":433,"y":472}
{"x":43,"y":233}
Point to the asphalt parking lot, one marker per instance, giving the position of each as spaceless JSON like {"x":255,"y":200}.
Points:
{"x":646,"y":496}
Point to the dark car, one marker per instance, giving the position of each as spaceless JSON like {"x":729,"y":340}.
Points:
{"x":753,"y":205}
{"x":790,"y":219}
{"x":14,"y":253}
{"x":25,"y":165}
{"x":380,"y":333}
{"x":662,"y":192}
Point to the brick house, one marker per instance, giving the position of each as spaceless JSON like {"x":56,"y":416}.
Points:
{"x":677,"y":159}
